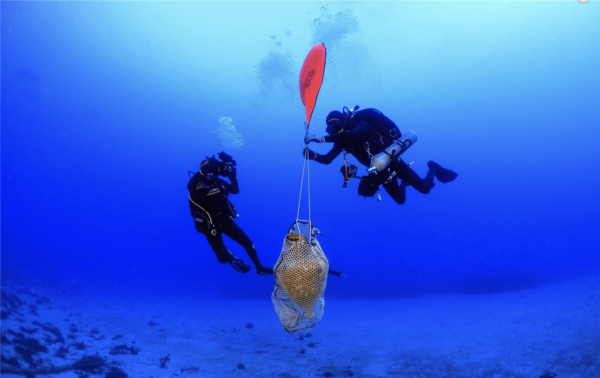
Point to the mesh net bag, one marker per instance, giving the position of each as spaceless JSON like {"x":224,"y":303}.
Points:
{"x":300,"y":279}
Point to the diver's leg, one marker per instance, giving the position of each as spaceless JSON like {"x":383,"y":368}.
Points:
{"x":396,"y":191}
{"x":368,"y":186}
{"x":239,"y":236}
{"x":218,"y":246}
{"x":223,"y":254}
{"x":422,"y":185}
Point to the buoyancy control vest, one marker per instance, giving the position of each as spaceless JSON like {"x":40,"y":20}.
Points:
{"x":209,"y":205}
{"x":385,"y":143}
{"x":384,"y":126}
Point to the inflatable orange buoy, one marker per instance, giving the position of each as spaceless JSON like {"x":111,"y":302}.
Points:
{"x":311,"y":78}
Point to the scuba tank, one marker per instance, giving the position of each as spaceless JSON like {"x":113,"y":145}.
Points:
{"x":381,"y":161}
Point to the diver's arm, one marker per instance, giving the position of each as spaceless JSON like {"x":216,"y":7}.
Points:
{"x":330,"y":156}
{"x":232,"y":188}
{"x":349,"y":137}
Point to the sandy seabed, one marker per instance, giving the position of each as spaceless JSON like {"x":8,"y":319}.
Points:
{"x":551,"y":331}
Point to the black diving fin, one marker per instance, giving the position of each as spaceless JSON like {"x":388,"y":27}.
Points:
{"x":443,"y":175}
{"x":239,"y":265}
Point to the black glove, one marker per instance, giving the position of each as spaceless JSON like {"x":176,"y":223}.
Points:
{"x":313,"y":138}
{"x":230,"y":172}
{"x":312,"y":155}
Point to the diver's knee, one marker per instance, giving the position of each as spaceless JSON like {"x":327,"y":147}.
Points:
{"x":423,"y":187}
{"x":400,"y":200}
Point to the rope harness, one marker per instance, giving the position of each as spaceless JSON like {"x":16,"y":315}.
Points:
{"x":301,"y":270}
{"x":306,"y":166}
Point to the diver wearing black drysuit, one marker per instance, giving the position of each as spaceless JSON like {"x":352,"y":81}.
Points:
{"x":362,"y":140}
{"x":214,"y":215}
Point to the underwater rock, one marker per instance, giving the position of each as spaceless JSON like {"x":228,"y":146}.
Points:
{"x":62,"y":351}
{"x":87,"y":364}
{"x":163,"y":361}
{"x":48,"y":327}
{"x":123,"y":349}
{"x":30,"y":344}
{"x":29,"y":331}
{"x":42,"y":300}
{"x":116,"y":372}
{"x":273,"y":36}
{"x":5,"y":340}
{"x":10,"y":361}
{"x":28,"y":348}
{"x":288,"y":33}
{"x":12,"y":301}
{"x":33,"y":309}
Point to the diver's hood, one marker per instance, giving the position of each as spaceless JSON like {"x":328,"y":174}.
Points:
{"x":208,"y":168}
{"x":336,"y":121}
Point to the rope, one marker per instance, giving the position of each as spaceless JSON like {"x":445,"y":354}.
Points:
{"x":306,"y":165}
{"x":301,"y":183}
{"x":308,"y":179}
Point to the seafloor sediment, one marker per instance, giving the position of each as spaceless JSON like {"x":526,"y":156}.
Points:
{"x":551,"y":331}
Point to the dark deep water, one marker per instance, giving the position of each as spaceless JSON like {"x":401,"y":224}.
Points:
{"x":106,"y":106}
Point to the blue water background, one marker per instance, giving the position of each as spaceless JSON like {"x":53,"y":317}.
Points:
{"x":106,"y":106}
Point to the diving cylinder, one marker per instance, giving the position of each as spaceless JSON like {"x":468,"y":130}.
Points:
{"x":383,"y":159}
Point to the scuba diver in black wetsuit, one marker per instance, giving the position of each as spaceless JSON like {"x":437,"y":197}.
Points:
{"x":214,"y":215}
{"x":365,"y":134}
